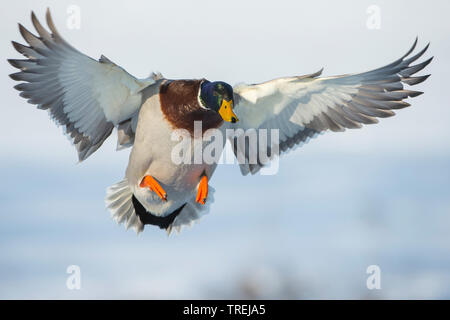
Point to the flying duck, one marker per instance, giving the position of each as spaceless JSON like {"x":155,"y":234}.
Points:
{"x":90,"y":98}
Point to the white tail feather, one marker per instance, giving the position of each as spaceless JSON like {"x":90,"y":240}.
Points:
{"x":118,"y":201}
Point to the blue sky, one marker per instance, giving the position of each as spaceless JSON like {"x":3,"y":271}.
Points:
{"x":379,"y":195}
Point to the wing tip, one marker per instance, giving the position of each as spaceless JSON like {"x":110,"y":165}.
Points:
{"x":14,"y":63}
{"x":48,"y":14}
{"x":16,"y":76}
{"x":50,"y":23}
{"x":412,"y":48}
{"x":45,"y":35}
{"x":317,"y":73}
{"x":411,"y":81}
{"x":27,"y":35}
{"x":18,"y":46}
{"x":413,"y":94}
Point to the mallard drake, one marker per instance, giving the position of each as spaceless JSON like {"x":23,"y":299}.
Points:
{"x":90,"y":98}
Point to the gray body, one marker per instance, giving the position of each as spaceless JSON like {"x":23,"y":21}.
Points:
{"x":152,"y":155}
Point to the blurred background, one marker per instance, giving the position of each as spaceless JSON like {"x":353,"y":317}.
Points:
{"x":375,"y":196}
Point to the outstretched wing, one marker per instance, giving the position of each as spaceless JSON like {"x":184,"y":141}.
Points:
{"x":301,"y":107}
{"x":86,"y":96}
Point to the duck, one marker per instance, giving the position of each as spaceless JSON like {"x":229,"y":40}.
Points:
{"x":90,"y":98}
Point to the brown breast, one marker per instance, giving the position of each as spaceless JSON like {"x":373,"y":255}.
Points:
{"x":180,"y":106}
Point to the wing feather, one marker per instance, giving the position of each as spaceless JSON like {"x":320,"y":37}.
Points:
{"x":302,"y":107}
{"x":86,"y":96}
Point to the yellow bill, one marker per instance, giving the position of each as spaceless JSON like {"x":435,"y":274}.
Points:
{"x":226,"y":111}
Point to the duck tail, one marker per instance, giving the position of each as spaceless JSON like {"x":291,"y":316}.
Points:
{"x":119,"y":202}
{"x":191,"y":212}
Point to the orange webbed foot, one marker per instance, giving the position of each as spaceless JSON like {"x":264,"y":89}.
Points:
{"x":202,"y":192}
{"x":153,"y":185}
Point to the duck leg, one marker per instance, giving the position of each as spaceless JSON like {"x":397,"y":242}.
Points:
{"x":153,"y":185}
{"x":202,"y":192}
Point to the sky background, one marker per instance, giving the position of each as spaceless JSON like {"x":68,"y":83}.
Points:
{"x":374,"y":196}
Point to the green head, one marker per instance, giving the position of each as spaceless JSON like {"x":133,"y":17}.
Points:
{"x":218,"y":96}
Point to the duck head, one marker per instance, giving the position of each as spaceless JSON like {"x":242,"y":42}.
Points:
{"x":218,"y":96}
